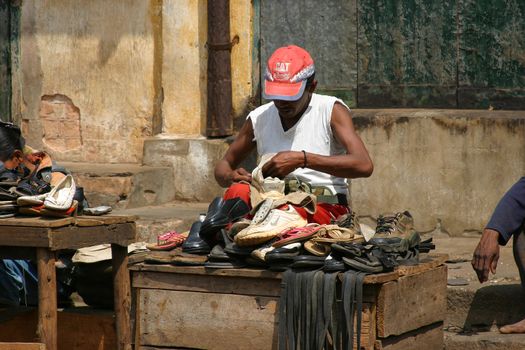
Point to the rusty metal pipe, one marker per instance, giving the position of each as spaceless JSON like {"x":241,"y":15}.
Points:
{"x":219,"y":116}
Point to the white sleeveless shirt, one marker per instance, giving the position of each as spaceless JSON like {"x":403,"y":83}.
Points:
{"x":311,"y":133}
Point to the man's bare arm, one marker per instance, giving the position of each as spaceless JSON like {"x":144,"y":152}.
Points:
{"x":226,"y":171}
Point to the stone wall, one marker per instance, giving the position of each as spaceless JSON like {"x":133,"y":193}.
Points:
{"x":449,"y":168}
{"x":86,"y":78}
{"x":98,"y":77}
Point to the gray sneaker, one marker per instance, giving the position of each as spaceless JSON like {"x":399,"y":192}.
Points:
{"x":394,"y":225}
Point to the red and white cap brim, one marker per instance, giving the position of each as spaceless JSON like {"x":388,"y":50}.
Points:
{"x":275,"y":90}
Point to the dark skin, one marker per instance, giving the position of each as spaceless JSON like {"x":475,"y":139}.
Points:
{"x":356,"y":163}
{"x":486,"y":255}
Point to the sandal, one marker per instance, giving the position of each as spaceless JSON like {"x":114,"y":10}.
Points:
{"x":167,"y":241}
{"x":296,"y":234}
{"x":320,"y":243}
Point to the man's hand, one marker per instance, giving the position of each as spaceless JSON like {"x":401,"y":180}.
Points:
{"x":240,"y":174}
{"x":282,"y":164}
{"x":486,"y":255}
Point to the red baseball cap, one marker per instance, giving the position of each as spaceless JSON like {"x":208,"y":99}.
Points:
{"x":286,"y":73}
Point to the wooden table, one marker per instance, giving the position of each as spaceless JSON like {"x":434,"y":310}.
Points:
{"x":38,"y":239}
{"x":194,"y":307}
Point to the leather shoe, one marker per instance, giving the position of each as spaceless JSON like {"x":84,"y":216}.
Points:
{"x":220,"y":213}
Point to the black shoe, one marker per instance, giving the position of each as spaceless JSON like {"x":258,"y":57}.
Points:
{"x":218,"y":254}
{"x":220,"y":213}
{"x":231,"y":248}
{"x":194,"y":244}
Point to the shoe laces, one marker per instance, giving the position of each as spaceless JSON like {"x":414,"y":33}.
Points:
{"x":387,"y":224}
{"x":346,"y":220}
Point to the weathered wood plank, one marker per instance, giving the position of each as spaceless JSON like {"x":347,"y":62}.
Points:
{"x":22,"y":346}
{"x":24,"y":236}
{"x":207,"y":284}
{"x":122,"y":296}
{"x":426,"y":263}
{"x":87,"y":221}
{"x":37,"y":221}
{"x":427,"y":338}
{"x":135,"y":316}
{"x":74,"y":237}
{"x":47,"y":298}
{"x":83,"y":220}
{"x":251,"y":273}
{"x":206,"y":321}
{"x":420,"y":300}
{"x":78,"y":329}
{"x":368,"y":327}
{"x":200,"y":270}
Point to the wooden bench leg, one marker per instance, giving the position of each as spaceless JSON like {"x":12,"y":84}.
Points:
{"x":122,"y":297}
{"x":47,"y":298}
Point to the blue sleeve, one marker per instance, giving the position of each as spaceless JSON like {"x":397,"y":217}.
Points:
{"x":509,"y":215}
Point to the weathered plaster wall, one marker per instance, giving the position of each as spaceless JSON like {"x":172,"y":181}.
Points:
{"x":241,"y":25}
{"x":91,"y":65}
{"x":184,"y":64}
{"x":184,"y":30}
{"x":449,"y":168}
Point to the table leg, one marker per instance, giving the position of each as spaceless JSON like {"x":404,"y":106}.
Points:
{"x":47,"y":298}
{"x":122,"y":297}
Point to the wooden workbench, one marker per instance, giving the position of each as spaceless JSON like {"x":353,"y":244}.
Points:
{"x":38,"y":239}
{"x":194,"y":307}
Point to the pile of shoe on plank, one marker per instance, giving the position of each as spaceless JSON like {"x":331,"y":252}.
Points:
{"x":279,"y":238}
{"x":312,"y":256}
{"x":273,"y":235}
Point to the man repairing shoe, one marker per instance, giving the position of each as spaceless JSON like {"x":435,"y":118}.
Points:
{"x":312,"y":136}
{"x":507,"y":221}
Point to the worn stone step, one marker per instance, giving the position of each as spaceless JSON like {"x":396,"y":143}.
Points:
{"x":491,"y":340}
{"x":478,"y":306}
{"x":123,"y":185}
{"x":154,"y":220}
{"x":193,"y":161}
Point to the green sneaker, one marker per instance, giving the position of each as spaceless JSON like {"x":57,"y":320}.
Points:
{"x":395,"y":225}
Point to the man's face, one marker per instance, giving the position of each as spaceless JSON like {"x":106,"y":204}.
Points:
{"x":292,"y":109}
{"x":14,"y":161}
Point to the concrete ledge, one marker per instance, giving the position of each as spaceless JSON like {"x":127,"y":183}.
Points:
{"x":192,"y":160}
{"x":123,"y":185}
{"x":449,"y":168}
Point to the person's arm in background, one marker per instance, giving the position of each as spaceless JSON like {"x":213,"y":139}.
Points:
{"x":226,"y":171}
{"x":507,"y":220}
{"x":355,"y":163}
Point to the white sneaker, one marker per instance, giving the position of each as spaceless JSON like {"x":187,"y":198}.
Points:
{"x":275,"y":222}
{"x":61,"y":196}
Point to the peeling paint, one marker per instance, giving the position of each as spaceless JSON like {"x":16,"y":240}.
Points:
{"x":61,"y":121}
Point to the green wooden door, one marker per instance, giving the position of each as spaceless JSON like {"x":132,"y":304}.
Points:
{"x":5,"y":61}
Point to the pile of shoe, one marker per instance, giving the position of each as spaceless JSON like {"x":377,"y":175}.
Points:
{"x":394,"y":243}
{"x":46,"y":201}
{"x":8,"y":182}
{"x":278,"y":238}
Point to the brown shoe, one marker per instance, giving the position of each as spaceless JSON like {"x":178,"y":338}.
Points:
{"x":394,"y":225}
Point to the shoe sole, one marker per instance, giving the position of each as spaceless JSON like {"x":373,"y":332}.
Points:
{"x":263,"y":237}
